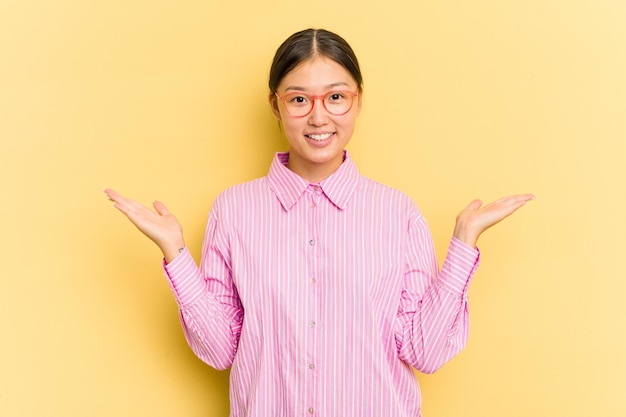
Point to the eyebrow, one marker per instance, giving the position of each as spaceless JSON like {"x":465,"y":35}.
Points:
{"x":328,"y":87}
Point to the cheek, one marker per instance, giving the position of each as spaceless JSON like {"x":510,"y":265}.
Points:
{"x":291,"y":130}
{"x":348,"y":124}
{"x":291,"y":124}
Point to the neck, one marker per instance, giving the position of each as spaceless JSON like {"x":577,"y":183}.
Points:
{"x":311,"y":171}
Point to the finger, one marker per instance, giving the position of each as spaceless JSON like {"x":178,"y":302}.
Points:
{"x":118,"y":200}
{"x":528,"y":197}
{"x":126,"y":205}
{"x":160,"y":208}
{"x":474,"y":205}
{"x":111,"y":194}
{"x":116,"y":197}
{"x":124,"y":209}
{"x":523,"y":197}
{"x":131,"y":208}
{"x":510,"y":205}
{"x":512,"y":200}
{"x":518,"y":201}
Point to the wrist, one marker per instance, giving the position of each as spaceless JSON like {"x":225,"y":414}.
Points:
{"x":468,"y":237}
{"x":172,"y":250}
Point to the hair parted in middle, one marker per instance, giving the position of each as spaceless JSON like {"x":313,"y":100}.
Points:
{"x":307,"y":44}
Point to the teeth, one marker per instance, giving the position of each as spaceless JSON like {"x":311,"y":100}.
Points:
{"x":321,"y":137}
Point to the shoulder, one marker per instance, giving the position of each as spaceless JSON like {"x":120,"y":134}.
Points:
{"x":241,"y":195}
{"x":249,"y":187}
{"x":386,"y":200}
{"x":385,"y":193}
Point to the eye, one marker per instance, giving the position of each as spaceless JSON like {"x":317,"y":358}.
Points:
{"x":297,"y":99}
{"x":335,"y":96}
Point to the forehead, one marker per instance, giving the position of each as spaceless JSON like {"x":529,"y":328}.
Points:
{"x":315,"y":74}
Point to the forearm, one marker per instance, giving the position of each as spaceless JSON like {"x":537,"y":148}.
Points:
{"x":436,"y":331}
{"x":434,"y":324}
{"x":212,"y":334}
{"x":211,"y":322}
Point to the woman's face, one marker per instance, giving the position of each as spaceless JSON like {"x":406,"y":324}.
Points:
{"x":318,"y":139}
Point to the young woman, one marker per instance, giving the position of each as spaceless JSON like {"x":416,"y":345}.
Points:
{"x":317,"y":286}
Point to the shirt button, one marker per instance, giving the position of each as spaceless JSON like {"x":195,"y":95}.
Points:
{"x":311,"y":410}
{"x":312,"y":280}
{"x":311,"y":366}
{"x":311,"y":324}
{"x":312,"y":242}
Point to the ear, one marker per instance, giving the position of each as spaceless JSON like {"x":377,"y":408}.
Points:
{"x":274,"y":105}
{"x":360,"y":103}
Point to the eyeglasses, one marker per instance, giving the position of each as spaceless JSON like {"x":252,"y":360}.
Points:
{"x":299,"y":104}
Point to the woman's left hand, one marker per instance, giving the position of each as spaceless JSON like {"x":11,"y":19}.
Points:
{"x":473,"y":220}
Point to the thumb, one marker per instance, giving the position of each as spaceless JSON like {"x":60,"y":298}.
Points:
{"x":474,"y":205}
{"x":160,"y":208}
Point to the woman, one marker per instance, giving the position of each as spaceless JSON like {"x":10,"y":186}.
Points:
{"x":320,"y":287}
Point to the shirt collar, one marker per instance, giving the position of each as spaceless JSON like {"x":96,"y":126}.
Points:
{"x":289,"y":186}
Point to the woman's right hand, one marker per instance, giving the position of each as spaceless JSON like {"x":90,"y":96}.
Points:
{"x":160,"y":226}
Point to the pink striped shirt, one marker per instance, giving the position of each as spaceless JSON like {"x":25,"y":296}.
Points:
{"x":321,"y":297}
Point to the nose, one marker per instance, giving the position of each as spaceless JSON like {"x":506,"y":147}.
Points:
{"x":318,"y":115}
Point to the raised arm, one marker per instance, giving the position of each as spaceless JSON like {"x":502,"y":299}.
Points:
{"x":433,"y":316}
{"x":210,"y":309}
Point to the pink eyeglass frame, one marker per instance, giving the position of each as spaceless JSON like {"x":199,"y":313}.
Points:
{"x":314,"y":98}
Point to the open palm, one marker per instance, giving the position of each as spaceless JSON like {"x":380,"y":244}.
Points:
{"x":159,"y":224}
{"x":473,"y":220}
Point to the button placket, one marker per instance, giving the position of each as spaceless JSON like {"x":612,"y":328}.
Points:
{"x":312,"y":291}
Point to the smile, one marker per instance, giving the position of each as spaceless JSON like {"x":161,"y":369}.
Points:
{"x":320,"y":137}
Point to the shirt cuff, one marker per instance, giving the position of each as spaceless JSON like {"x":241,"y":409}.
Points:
{"x":459,"y":267}
{"x":184,"y":278}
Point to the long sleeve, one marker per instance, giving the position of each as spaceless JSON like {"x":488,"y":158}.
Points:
{"x":210,"y":309}
{"x":433,"y":318}
{"x":341,"y":291}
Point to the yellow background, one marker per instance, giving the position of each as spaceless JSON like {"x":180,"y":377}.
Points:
{"x":167,"y":99}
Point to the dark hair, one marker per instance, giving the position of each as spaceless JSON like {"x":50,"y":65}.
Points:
{"x":308,"y":43}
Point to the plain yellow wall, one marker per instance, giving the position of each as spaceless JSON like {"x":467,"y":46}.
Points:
{"x":167,"y":99}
